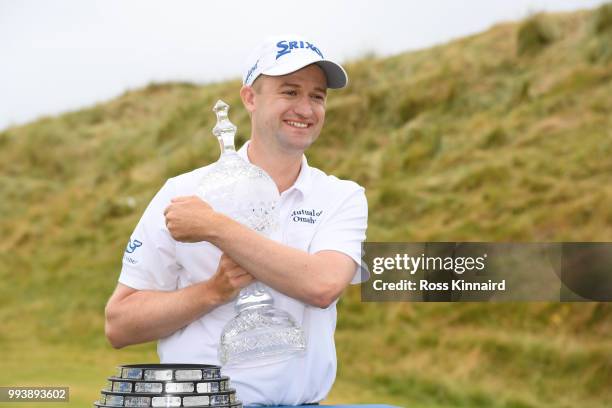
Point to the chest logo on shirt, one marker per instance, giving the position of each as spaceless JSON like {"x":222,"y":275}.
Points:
{"x":309,"y":216}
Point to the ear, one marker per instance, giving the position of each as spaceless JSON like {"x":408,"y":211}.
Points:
{"x":247,"y":94}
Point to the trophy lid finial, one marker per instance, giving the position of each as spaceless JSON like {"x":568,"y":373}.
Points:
{"x":224,"y":129}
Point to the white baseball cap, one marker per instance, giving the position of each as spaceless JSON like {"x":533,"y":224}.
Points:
{"x":283,"y":55}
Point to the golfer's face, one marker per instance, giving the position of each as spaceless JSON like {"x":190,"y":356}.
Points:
{"x":290,"y":109}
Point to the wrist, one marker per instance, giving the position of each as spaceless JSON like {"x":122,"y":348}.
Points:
{"x":210,"y":296}
{"x":215,"y":228}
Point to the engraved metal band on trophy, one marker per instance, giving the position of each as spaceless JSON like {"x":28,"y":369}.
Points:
{"x":120,"y":399}
{"x":234,"y":405}
{"x":128,"y":385}
{"x":160,"y":372}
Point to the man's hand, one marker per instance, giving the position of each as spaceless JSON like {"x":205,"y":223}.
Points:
{"x":136,"y":316}
{"x":189,"y":219}
{"x":229,"y":279}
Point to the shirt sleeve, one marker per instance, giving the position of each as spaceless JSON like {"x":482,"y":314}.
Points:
{"x":149,"y":261}
{"x":345,"y":230}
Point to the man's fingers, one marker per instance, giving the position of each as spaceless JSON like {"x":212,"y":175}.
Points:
{"x":235,"y":272}
{"x":242,"y":281}
{"x":184,"y":198}
{"x":171,"y":206}
{"x":226,"y":261}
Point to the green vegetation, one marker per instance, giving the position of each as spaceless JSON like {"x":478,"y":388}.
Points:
{"x":504,"y":135}
{"x":533,"y":36}
{"x":599,"y":48}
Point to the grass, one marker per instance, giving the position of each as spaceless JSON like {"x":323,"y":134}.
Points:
{"x":533,"y":36}
{"x":500,"y":136}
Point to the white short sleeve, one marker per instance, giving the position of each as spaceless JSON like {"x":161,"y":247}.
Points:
{"x":345,"y":229}
{"x":149,"y":261}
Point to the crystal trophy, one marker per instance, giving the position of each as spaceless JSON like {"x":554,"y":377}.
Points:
{"x":260,"y":333}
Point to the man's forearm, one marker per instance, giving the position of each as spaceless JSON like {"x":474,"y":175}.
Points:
{"x":298,"y":274}
{"x":150,"y":315}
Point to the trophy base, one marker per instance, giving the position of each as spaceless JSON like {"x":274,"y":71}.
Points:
{"x":260,"y":336}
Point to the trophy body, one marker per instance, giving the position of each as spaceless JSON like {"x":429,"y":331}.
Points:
{"x":260,"y":333}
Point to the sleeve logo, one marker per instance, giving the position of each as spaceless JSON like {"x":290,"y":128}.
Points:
{"x":132,"y":246}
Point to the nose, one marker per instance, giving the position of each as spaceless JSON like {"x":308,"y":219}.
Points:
{"x":303,"y":107}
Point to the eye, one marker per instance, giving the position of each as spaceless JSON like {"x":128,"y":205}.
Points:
{"x":290,"y":93}
{"x":319,"y":98}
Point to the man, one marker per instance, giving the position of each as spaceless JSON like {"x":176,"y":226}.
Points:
{"x":185,"y":263}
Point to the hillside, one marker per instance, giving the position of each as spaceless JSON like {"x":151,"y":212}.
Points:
{"x":501,"y":136}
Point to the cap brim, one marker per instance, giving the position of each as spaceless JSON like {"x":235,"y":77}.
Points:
{"x":335,"y":74}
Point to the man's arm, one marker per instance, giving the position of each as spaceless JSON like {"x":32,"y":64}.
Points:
{"x":316,"y":279}
{"x":137,"y":316}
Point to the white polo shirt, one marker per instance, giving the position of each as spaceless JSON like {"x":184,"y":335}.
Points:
{"x":319,"y":212}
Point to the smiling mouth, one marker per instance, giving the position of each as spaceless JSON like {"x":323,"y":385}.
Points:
{"x":298,"y":125}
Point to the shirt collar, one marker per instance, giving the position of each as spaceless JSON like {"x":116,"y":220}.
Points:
{"x":303,"y":182}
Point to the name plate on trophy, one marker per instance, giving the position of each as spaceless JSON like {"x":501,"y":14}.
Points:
{"x":128,"y":385}
{"x":124,"y":399}
{"x":161,"y":372}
